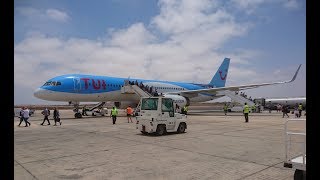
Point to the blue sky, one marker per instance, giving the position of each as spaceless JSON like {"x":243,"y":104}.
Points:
{"x":176,"y":40}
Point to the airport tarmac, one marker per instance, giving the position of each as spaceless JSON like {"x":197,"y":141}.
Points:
{"x":214,"y":146}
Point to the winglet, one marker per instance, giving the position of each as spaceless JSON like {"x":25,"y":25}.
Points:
{"x":295,"y":75}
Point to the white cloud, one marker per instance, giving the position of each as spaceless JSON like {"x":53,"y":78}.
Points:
{"x":198,"y":26}
{"x":250,"y":6}
{"x":125,"y":37}
{"x":182,"y":16}
{"x":57,"y":15}
{"x":41,"y":16}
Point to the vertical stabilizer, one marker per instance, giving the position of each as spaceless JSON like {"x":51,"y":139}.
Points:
{"x":220,"y":78}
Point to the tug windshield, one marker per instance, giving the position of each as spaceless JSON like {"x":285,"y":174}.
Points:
{"x":149,"y":104}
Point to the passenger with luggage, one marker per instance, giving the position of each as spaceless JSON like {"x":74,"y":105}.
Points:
{"x":46,"y":114}
{"x":285,"y":111}
{"x":56,"y":116}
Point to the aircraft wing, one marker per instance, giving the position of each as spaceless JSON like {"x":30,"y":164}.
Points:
{"x":220,"y":90}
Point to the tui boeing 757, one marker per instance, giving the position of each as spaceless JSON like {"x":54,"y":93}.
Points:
{"x":76,"y":88}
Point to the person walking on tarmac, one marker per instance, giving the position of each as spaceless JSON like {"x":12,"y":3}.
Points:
{"x":285,"y":111}
{"x":253,"y":108}
{"x":300,"y":109}
{"x":21,"y":116}
{"x":46,"y":113}
{"x":56,"y":116}
{"x":26,"y":115}
{"x":113,"y":114}
{"x":246,"y":110}
{"x":185,"y":110}
{"x":129,"y":111}
{"x":84,"y":111}
{"x":225,"y":109}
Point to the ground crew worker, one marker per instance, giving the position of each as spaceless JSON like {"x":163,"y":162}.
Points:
{"x":225,"y":109}
{"x":254,"y":108}
{"x":129,"y":113}
{"x":300,"y":109}
{"x":246,"y":110}
{"x":185,"y":110}
{"x":113,"y":114}
{"x":84,"y":110}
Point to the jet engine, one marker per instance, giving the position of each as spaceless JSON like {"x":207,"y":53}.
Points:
{"x":179,"y":100}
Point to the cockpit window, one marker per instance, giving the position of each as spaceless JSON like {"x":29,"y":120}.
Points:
{"x":52,"y":83}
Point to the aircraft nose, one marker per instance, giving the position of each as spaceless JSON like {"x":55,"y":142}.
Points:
{"x":39,"y":93}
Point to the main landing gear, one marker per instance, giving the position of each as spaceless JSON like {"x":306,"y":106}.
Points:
{"x":77,"y":113}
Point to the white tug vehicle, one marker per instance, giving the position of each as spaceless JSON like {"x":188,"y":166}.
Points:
{"x":157,"y":115}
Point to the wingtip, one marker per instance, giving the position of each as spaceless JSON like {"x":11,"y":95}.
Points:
{"x":295,"y":75}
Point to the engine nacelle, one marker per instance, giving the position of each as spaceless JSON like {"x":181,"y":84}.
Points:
{"x":179,"y":100}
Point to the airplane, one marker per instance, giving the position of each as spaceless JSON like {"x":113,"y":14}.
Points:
{"x":291,"y":102}
{"x":76,"y":88}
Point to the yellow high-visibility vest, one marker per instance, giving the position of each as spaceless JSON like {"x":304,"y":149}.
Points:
{"x":246,"y":109}
{"x":114,"y":112}
{"x":185,"y":108}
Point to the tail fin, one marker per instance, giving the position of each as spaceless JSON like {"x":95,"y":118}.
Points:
{"x":219,"y":79}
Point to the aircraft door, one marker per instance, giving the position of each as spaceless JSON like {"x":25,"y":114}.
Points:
{"x":167,"y":113}
{"x":77,"y":84}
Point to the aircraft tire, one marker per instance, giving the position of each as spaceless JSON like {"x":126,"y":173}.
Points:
{"x":78,"y":115}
